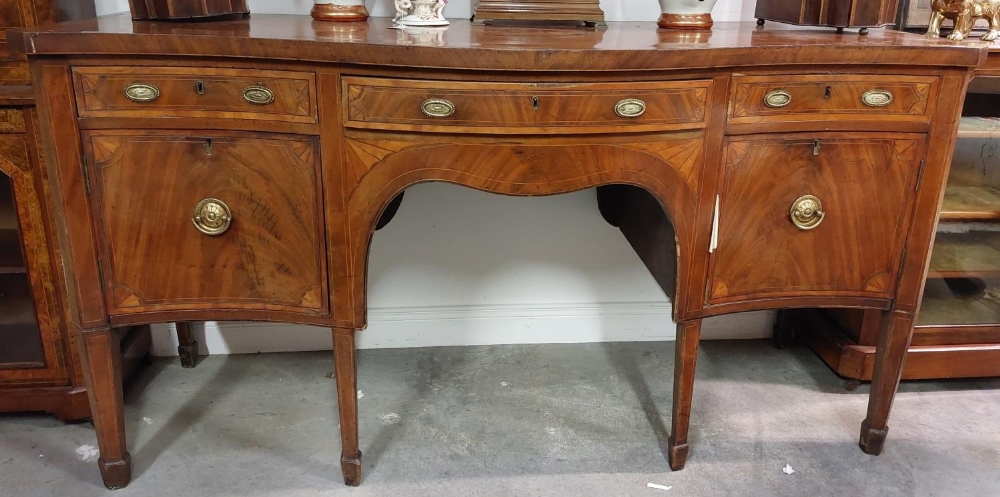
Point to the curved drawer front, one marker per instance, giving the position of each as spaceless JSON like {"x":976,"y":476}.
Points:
{"x":832,"y":97}
{"x":411,"y":105}
{"x":234,"y":222}
{"x":819,"y":215}
{"x":195,"y":92}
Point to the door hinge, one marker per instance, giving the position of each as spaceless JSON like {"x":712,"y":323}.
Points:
{"x":714,"y":243}
{"x":86,"y":175}
{"x":920,"y":175}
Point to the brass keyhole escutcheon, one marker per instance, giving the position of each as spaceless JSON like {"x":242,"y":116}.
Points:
{"x":807,"y":212}
{"x":212,"y":217}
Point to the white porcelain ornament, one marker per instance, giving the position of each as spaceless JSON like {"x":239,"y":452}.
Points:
{"x":420,"y":13}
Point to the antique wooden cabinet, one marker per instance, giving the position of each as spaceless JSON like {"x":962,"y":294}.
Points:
{"x":40,"y":369}
{"x":237,"y":170}
{"x":838,"y":14}
{"x":958,"y":328}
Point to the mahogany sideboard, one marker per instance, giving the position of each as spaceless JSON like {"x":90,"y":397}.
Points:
{"x":40,"y":369}
{"x":237,"y":170}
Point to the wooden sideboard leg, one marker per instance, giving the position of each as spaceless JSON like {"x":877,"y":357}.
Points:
{"x":187,"y":346}
{"x":101,"y":359}
{"x":685,"y":359}
{"x":892,"y":346}
{"x":347,"y":400}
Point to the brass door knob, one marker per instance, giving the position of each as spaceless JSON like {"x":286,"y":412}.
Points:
{"x":437,"y":107}
{"x":142,"y":92}
{"x":258,"y":95}
{"x":876,"y":98}
{"x":630,"y":108}
{"x":807,"y":212}
{"x":212,"y":217}
{"x":777,"y":98}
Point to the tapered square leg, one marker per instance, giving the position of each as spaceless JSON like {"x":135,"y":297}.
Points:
{"x":187,"y":346}
{"x":101,"y":356}
{"x":347,"y":400}
{"x":685,"y":361}
{"x":894,"y":341}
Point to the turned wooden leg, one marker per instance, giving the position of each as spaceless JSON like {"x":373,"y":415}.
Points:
{"x":893,"y":343}
{"x":685,"y":359}
{"x":187,"y":346}
{"x":101,"y":357}
{"x":347,"y":400}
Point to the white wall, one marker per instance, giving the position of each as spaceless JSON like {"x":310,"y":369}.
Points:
{"x":462,"y":267}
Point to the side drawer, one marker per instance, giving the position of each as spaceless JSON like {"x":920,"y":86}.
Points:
{"x":195,"y":92}
{"x":411,"y":105}
{"x":832,"y":97}
{"x":238,"y":216}
{"x":825,"y":214}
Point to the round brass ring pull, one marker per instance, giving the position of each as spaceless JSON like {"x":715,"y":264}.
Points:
{"x":212,"y":217}
{"x":807,"y":212}
{"x":437,"y":107}
{"x":142,"y":92}
{"x":630,"y":108}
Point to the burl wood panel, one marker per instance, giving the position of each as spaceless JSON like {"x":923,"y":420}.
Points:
{"x":865,"y":184}
{"x":830,"y":97}
{"x":271,"y":258}
{"x":100,"y":92}
{"x":395,"y":104}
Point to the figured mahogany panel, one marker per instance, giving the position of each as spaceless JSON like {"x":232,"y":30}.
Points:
{"x":271,"y":257}
{"x":830,"y":97}
{"x":396,"y":104}
{"x":196,"y":92}
{"x":865,"y":184}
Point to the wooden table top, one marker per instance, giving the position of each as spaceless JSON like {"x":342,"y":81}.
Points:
{"x":621,"y":46}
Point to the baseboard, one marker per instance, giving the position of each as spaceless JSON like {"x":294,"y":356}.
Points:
{"x":468,"y":325}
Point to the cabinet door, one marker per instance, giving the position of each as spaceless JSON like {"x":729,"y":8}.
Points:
{"x":209,"y":220}
{"x":823,"y":214}
{"x":31,"y":341}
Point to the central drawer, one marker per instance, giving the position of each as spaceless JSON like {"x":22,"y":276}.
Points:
{"x":519,"y":108}
{"x":208,"y":220}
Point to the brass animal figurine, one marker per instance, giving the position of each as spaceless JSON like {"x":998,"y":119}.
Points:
{"x":964,"y":14}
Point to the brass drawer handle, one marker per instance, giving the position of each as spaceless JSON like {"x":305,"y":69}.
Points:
{"x":777,"y":98}
{"x":212,"y":217}
{"x":876,"y":98}
{"x":142,"y":92}
{"x":258,"y":95}
{"x":630,"y":108}
{"x":437,"y":107}
{"x":807,"y":212}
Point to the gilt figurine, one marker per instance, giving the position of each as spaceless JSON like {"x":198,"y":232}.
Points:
{"x":964,"y":14}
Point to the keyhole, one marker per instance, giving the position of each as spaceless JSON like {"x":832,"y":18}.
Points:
{"x":208,"y":147}
{"x":828,"y":91}
{"x":200,"y":88}
{"x":534,"y":103}
{"x":816,"y":147}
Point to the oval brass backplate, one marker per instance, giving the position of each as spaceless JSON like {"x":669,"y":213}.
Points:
{"x":876,"y":98}
{"x":807,"y":212}
{"x":142,"y":92}
{"x":630,"y":108}
{"x":777,"y":98}
{"x":437,"y":107}
{"x":258,"y":95}
{"x":212,"y":217}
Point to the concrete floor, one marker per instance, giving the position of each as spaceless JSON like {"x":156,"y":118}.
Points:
{"x":548,"y":420}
